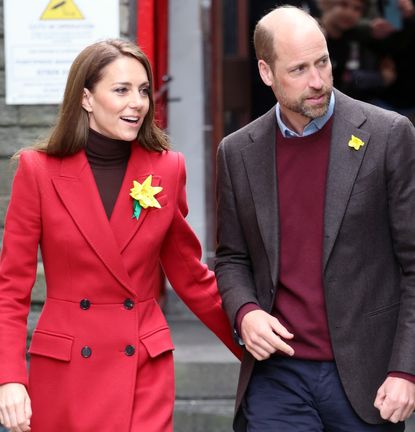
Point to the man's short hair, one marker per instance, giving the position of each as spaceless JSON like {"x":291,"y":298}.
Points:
{"x":264,"y":44}
{"x":264,"y":38}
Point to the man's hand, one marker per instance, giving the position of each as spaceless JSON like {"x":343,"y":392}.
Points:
{"x":15,"y":410}
{"x":407,"y":8}
{"x":381,"y":28}
{"x":263,"y":335}
{"x":395,"y":399}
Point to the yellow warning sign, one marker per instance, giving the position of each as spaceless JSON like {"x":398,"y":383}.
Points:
{"x":62,"y":10}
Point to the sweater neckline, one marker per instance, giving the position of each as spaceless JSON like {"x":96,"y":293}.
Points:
{"x":106,"y":152}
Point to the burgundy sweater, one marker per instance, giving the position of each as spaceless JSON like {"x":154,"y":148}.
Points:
{"x":300,"y":306}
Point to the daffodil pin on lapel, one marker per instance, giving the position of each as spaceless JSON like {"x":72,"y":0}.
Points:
{"x":143,"y":195}
{"x":355,"y":142}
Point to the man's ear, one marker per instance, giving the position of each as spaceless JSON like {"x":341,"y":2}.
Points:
{"x":265,"y":72}
{"x":86,"y":100}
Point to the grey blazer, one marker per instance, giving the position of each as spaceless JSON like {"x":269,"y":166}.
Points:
{"x":369,"y":242}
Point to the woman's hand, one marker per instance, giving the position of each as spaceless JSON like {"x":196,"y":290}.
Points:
{"x":15,"y":410}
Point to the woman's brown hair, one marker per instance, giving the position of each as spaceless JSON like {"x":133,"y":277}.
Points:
{"x":70,"y":133}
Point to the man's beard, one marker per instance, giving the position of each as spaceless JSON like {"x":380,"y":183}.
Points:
{"x":309,"y":111}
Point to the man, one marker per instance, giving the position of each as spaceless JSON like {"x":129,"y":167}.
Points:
{"x":316,"y":247}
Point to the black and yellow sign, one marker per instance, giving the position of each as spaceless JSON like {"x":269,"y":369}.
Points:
{"x":62,"y":10}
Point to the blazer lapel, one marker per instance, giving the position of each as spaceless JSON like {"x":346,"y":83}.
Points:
{"x":122,"y":222}
{"x":344,"y":165}
{"x":260,"y":165}
{"x":79,"y":194}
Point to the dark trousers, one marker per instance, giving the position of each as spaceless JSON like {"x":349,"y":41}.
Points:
{"x":291,"y":395}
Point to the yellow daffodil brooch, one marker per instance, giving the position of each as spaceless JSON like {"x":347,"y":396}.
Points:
{"x":143,"y":196}
{"x":355,"y":143}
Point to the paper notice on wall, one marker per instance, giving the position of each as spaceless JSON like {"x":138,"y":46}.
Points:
{"x":43,"y":37}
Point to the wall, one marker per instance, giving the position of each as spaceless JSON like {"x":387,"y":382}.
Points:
{"x":186,"y":106}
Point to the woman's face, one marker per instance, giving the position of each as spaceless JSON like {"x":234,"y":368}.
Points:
{"x":119,"y":102}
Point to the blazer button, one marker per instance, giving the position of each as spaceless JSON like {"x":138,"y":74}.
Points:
{"x":86,"y":352}
{"x":129,"y":350}
{"x":128,"y":304}
{"x":85,"y":304}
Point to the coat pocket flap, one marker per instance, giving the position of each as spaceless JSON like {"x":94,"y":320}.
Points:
{"x":51,"y":345}
{"x":158,"y":342}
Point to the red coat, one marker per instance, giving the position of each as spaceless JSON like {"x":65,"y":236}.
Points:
{"x":101,"y":351}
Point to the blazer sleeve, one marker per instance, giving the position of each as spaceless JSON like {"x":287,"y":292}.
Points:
{"x":233,"y":265}
{"x":194,"y":283}
{"x":400,"y":188}
{"x":18,"y":264}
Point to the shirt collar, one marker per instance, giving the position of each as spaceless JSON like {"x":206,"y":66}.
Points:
{"x":314,"y":126}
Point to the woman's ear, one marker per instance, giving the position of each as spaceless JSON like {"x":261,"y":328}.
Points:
{"x":86,"y":100}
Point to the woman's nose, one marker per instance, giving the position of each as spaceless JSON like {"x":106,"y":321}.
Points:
{"x":136,"y":100}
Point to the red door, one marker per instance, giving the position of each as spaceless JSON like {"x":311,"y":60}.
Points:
{"x":152,"y":31}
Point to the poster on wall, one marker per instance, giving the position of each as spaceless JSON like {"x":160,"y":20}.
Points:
{"x":43,"y":37}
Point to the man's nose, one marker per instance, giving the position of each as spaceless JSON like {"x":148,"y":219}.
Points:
{"x":315,"y":80}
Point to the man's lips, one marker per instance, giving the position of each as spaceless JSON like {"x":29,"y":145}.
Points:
{"x":316,"y":99}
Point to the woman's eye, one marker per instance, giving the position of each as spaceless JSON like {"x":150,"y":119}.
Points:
{"x":145,"y":91}
{"x":121,"y":90}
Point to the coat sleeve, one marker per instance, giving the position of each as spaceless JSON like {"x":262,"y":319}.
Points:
{"x":400,"y":187}
{"x":233,"y":265}
{"x":194,"y":283}
{"x":18,"y":264}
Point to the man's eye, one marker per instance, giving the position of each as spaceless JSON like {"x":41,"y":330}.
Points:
{"x":298,"y":69}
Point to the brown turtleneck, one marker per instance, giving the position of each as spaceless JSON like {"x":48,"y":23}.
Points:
{"x":108,"y":159}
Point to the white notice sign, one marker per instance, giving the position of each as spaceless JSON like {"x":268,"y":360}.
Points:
{"x":43,"y":37}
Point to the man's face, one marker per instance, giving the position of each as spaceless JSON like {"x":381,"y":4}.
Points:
{"x":301,"y":77}
{"x":345,"y":14}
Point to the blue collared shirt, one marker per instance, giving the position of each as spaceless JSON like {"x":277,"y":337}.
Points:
{"x":314,"y":126}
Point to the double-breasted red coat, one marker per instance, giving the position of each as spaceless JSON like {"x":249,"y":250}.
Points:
{"x":101,"y":353}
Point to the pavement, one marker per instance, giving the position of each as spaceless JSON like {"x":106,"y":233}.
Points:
{"x":206,"y":377}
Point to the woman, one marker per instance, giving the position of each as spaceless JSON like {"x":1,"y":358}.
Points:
{"x":105,"y":199}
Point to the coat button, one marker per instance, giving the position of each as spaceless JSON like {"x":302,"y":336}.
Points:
{"x":86,"y":352}
{"x":129,"y":350}
{"x":85,"y":304}
{"x":128,"y":304}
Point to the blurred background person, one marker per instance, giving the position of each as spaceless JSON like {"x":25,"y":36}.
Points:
{"x":361,"y":68}
{"x":371,"y":45}
{"x":395,"y":31}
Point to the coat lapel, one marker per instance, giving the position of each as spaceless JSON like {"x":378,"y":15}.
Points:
{"x":260,"y":165}
{"x":123,"y":224}
{"x":77,"y":189}
{"x":344,"y":165}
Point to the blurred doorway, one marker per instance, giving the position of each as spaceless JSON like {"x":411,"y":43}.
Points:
{"x":236,"y":93}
